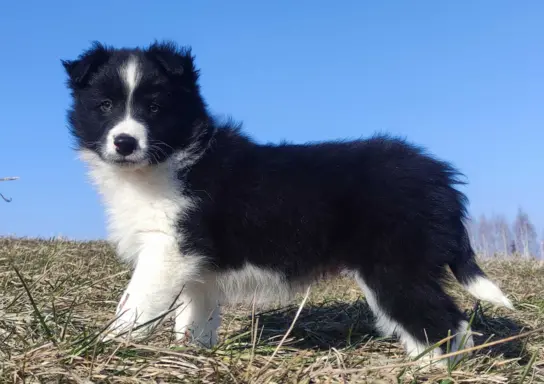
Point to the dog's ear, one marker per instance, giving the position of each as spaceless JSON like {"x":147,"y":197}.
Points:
{"x":81,"y":70}
{"x":174,"y":61}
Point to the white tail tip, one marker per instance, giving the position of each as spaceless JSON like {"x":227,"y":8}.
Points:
{"x":484,"y":289}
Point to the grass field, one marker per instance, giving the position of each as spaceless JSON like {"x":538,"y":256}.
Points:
{"x":57,"y":296}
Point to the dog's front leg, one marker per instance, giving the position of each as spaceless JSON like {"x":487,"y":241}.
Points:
{"x":198,"y":313}
{"x":158,"y":279}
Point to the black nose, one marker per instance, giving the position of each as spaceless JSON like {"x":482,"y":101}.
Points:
{"x":125,"y":144}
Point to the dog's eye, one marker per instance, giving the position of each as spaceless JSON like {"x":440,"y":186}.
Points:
{"x":106,"y":105}
{"x":154,"y":107}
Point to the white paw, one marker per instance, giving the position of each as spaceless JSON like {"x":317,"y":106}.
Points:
{"x":198,"y":315}
{"x":131,"y":321}
{"x":464,"y":340}
{"x":206,"y":338}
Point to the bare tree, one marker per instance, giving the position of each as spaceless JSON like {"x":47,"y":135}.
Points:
{"x":525,"y":234}
{"x":484,"y":235}
{"x":503,"y":235}
{"x":513,"y":248}
{"x":6,"y":199}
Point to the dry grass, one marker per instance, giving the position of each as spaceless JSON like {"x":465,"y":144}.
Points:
{"x":57,"y":296}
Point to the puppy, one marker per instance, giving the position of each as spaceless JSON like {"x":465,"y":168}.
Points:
{"x":207,"y":216}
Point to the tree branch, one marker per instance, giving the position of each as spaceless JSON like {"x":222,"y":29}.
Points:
{"x":6,"y":199}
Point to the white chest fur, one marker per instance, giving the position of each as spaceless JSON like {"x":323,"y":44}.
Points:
{"x":141,"y":205}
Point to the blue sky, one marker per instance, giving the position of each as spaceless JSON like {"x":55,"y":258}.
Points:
{"x":464,"y":78}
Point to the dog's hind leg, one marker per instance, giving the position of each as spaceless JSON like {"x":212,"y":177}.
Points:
{"x":416,"y":310}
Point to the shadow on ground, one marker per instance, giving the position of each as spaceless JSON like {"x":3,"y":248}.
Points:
{"x":332,"y":324}
{"x":338,"y":324}
{"x":499,"y":327}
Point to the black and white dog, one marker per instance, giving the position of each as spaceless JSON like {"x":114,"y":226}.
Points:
{"x":208,"y":216}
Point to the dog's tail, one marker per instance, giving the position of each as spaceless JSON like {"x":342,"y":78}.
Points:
{"x":473,"y":279}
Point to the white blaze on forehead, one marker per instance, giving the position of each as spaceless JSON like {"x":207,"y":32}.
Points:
{"x":130,"y":73}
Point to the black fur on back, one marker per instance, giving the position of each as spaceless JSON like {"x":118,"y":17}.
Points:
{"x":380,"y":207}
{"x":363,"y":204}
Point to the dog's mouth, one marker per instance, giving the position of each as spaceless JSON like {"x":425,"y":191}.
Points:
{"x":129,"y":164}
{"x":127,"y":161}
{"x":138,"y":159}
{"x":124,"y":162}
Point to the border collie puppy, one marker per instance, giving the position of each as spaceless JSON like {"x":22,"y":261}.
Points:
{"x":208,"y":216}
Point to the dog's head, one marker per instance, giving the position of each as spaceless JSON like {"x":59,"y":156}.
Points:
{"x":135,"y":107}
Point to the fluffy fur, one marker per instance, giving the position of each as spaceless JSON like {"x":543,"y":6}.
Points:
{"x":207,"y":216}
